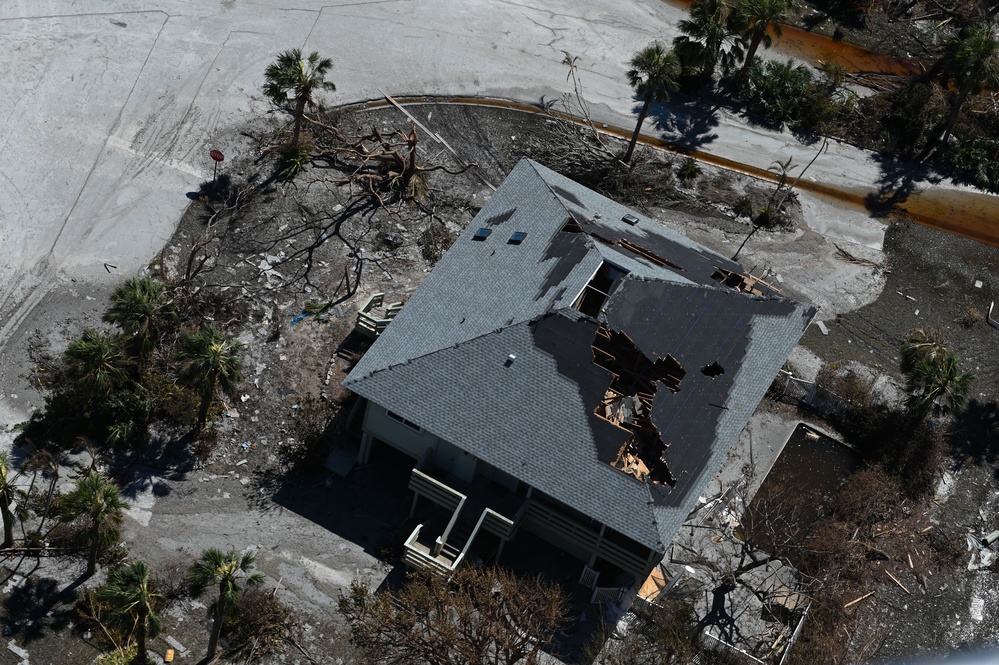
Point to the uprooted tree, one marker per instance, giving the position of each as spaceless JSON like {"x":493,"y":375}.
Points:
{"x":381,"y":162}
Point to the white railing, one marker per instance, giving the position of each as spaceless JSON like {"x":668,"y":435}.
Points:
{"x":414,"y":557}
{"x":587,"y":538}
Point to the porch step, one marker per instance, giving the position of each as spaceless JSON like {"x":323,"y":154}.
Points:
{"x":459,"y":535}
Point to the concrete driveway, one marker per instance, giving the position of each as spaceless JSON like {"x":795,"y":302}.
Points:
{"x":111,"y":107}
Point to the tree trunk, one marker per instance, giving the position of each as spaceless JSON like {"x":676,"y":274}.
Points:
{"x":8,"y":526}
{"x":213,"y":640}
{"x":140,"y":637}
{"x":754,"y":44}
{"x":206,"y":404}
{"x":710,"y":65}
{"x":638,"y":128}
{"x":410,"y":170}
{"x":92,"y":555}
{"x":48,"y":498}
{"x":299,"y":114}
{"x":955,"y":108}
{"x":735,"y":257}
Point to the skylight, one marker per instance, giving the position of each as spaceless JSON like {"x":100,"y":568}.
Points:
{"x":482,"y":234}
{"x":517,"y":238}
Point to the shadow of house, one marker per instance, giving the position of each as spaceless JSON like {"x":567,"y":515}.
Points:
{"x":975,"y":434}
{"x":571,"y":369}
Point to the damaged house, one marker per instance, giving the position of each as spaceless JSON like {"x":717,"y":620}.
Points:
{"x":572,"y":368}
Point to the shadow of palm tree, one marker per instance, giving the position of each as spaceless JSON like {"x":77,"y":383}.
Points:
{"x":37,"y":606}
{"x":896,"y":183}
{"x":684,"y":120}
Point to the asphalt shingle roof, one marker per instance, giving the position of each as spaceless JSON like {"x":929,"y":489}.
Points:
{"x":442,"y":362}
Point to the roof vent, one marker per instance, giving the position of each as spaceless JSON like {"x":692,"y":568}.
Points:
{"x":517,"y":238}
{"x":630,"y":219}
{"x":482,"y":234}
{"x":509,"y":360}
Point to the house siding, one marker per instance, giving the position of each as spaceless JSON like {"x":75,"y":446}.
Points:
{"x":379,"y":425}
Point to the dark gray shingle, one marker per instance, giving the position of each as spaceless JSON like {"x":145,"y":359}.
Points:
{"x":441,"y":363}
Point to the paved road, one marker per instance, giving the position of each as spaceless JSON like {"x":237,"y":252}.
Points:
{"x":111,"y":105}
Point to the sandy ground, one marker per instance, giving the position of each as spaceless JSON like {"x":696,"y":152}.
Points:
{"x":113,"y":106}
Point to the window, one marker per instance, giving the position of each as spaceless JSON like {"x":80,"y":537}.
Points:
{"x":402,"y":421}
{"x":482,"y":234}
{"x":517,"y":238}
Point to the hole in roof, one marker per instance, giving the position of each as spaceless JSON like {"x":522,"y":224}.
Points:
{"x":517,"y":238}
{"x":628,"y":402}
{"x":596,"y":291}
{"x":482,"y":234}
{"x":733,"y":280}
{"x":713,"y":370}
{"x":571,"y":226}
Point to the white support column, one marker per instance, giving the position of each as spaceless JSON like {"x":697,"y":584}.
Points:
{"x":412,"y":511}
{"x":365,"y":451}
{"x":600,"y":539}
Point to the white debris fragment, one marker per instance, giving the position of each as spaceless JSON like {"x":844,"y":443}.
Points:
{"x":822,"y":327}
{"x":978,"y":283}
{"x":18,"y":651}
{"x":176,"y":645}
{"x":977,"y":608}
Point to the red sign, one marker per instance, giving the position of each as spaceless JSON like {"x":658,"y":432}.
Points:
{"x":217,"y":155}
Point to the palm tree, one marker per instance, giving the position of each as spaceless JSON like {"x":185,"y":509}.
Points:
{"x":937,"y":387}
{"x":754,"y":19}
{"x":971,"y":61}
{"x":132,"y":598}
{"x":921,"y":344}
{"x":653,"y":75}
{"x":704,"y":35}
{"x":95,"y":363}
{"x":209,"y":362}
{"x":292,"y":78}
{"x":96,"y":499}
{"x":222,"y":570}
{"x":11,"y":500}
{"x":141,"y":308}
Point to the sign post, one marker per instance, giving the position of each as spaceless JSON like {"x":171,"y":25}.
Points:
{"x":217,"y":157}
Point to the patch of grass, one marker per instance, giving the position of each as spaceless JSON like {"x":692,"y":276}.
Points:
{"x":743,"y":207}
{"x":293,"y":161}
{"x":688,"y":171}
{"x":119,"y":656}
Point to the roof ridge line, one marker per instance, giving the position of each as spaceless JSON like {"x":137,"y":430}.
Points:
{"x":456,"y":345}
